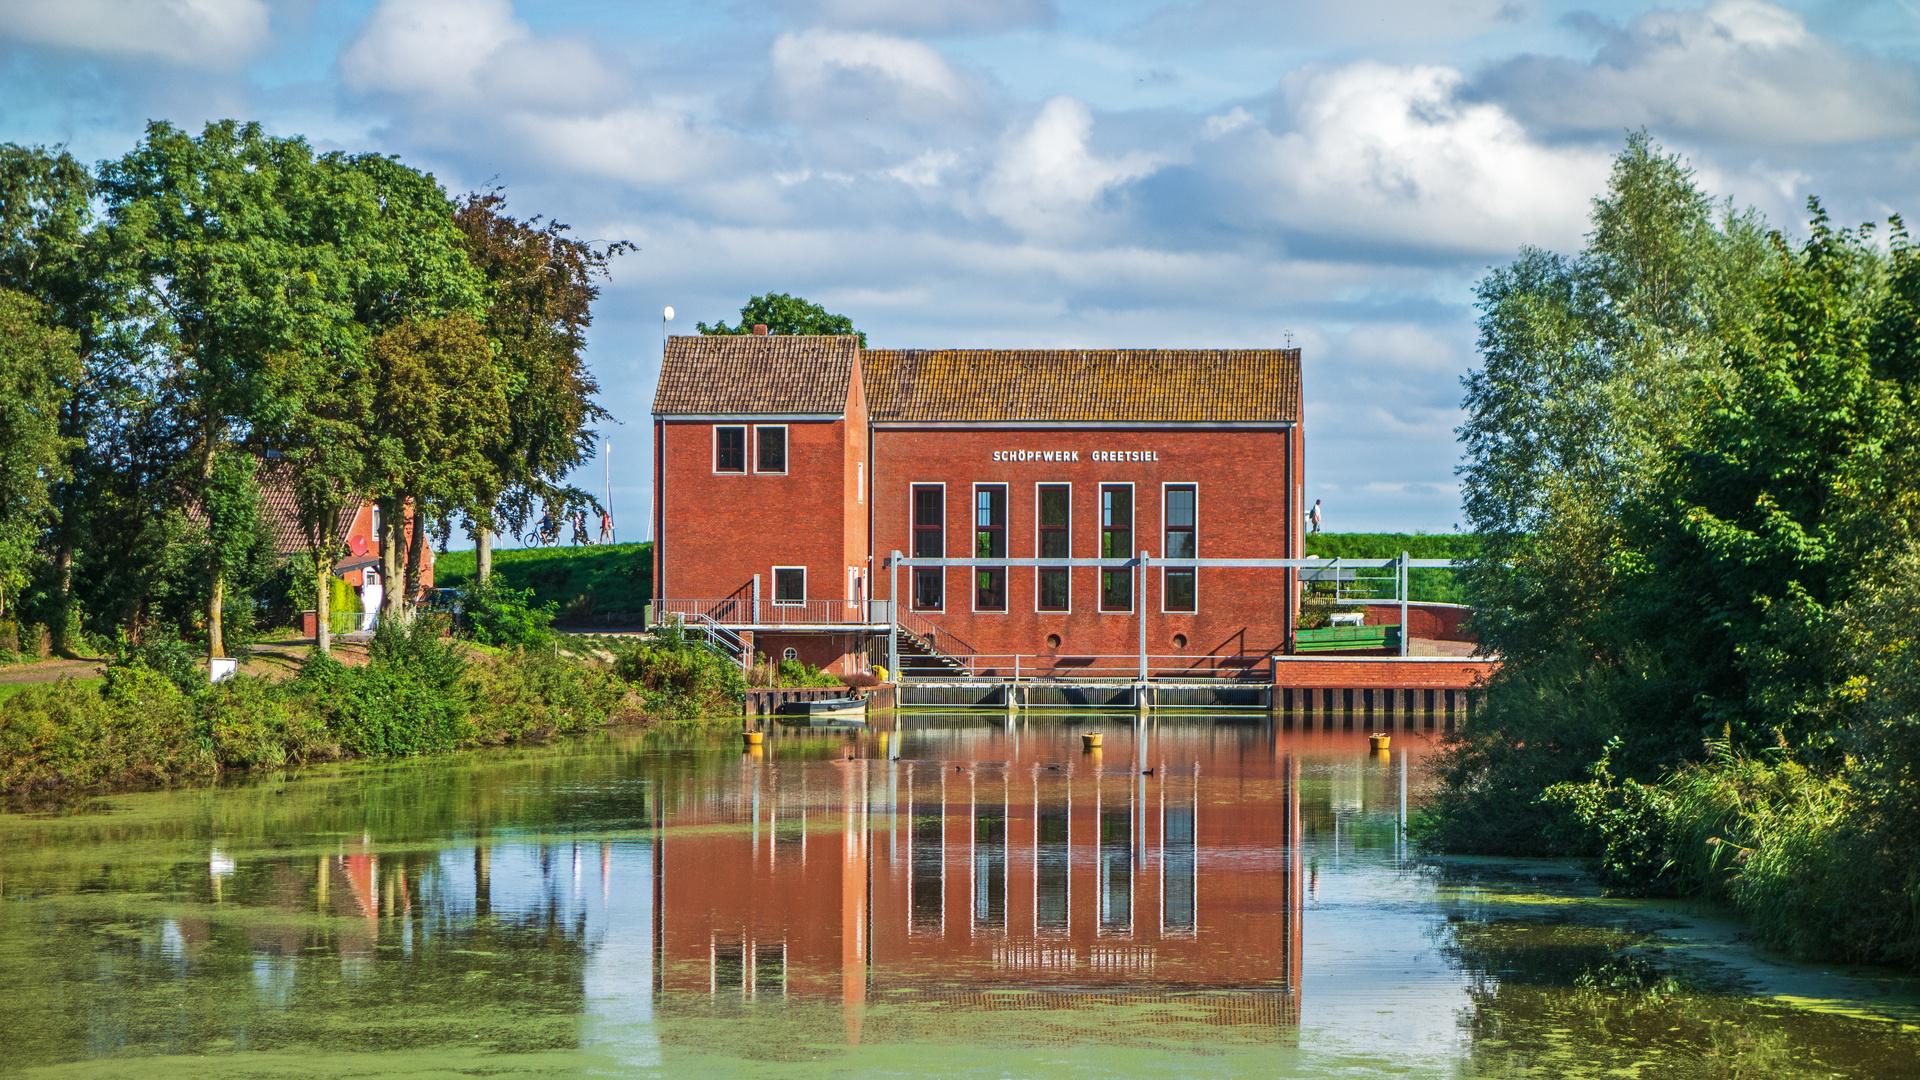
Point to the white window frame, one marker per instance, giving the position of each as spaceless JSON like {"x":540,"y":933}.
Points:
{"x":1006,"y":535}
{"x":746,"y":451}
{"x":1037,"y":485}
{"x":1163,"y":544}
{"x":946,"y":527}
{"x":786,"y":451}
{"x":775,"y":581}
{"x":1133,"y":532}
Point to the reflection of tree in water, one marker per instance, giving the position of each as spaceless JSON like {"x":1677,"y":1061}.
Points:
{"x":274,"y":964}
{"x":1562,"y":1000}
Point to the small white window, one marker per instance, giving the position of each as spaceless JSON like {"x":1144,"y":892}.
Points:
{"x":790,"y":654}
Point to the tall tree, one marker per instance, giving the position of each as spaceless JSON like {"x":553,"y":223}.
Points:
{"x":439,"y":406}
{"x":541,"y":284}
{"x":38,"y":364}
{"x":46,"y":252}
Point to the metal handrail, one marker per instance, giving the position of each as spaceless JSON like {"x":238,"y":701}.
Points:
{"x":741,"y":611}
{"x":714,"y":636}
{"x":934,"y":638}
{"x":1030,"y":667}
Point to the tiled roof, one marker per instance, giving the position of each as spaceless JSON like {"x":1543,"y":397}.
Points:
{"x":282,"y":513}
{"x":1222,"y":386}
{"x":743,"y":374}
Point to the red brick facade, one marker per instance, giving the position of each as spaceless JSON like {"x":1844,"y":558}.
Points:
{"x":1241,"y":482}
{"x":844,"y":501}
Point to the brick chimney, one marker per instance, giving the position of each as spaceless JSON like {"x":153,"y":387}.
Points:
{"x":759,"y":329}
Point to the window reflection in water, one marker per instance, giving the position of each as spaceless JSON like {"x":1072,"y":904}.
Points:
{"x":1116,"y":869}
{"x":1052,"y":866}
{"x":990,"y":867}
{"x":927,"y":850}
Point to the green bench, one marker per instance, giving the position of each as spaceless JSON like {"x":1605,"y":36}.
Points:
{"x":1341,"y":638}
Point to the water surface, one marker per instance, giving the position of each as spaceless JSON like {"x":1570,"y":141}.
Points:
{"x":963,"y":896}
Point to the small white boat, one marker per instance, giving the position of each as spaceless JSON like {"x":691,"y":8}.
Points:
{"x":828,"y":710}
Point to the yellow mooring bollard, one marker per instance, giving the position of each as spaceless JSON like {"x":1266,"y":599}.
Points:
{"x":1090,"y":741}
{"x":1379,"y":742}
{"x":751,"y":738}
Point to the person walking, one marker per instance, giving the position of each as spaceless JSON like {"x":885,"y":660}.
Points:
{"x":1313,"y":515}
{"x":606,"y":527}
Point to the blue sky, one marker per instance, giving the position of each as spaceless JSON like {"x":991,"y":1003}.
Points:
{"x":1038,"y":172}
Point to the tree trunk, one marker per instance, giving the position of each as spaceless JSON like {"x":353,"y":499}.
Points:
{"x":483,"y":555}
{"x":323,"y":607}
{"x":64,"y":629}
{"x":216,"y":607}
{"x":390,"y":583}
{"x":416,"y":554}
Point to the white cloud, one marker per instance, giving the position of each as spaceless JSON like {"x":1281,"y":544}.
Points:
{"x":1742,"y":71}
{"x":470,"y":76}
{"x":429,"y":48}
{"x":636,"y":144}
{"x":1047,"y":179}
{"x":831,"y":75}
{"x":932,"y":16}
{"x":1393,"y":157}
{"x":189,"y":33}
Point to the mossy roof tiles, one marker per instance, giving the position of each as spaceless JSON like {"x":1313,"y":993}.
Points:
{"x":728,"y":375}
{"x":1218,"y":386}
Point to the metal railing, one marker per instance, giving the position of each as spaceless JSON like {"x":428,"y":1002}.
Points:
{"x":936,"y":640}
{"x":745,"y":611}
{"x":1030,"y":667}
{"x":711,"y":634}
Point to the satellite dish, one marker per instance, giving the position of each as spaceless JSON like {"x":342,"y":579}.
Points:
{"x":667,"y":314}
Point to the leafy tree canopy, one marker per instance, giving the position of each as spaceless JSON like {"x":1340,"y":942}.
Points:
{"x":783,"y":314}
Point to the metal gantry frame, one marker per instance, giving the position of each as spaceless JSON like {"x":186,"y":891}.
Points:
{"x":1402,"y":579}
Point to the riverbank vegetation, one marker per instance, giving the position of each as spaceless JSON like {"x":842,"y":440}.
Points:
{"x":156,"y":720}
{"x":1693,"y":466}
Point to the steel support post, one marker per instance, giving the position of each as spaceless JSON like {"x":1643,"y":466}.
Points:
{"x":1405,"y":584}
{"x":893,"y":620}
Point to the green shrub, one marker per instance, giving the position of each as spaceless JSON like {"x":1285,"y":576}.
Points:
{"x":410,"y":698}
{"x":536,"y":694}
{"x":140,"y":729}
{"x":180,"y":662}
{"x":679,"y":680}
{"x":506,"y":617}
{"x":253,"y":722}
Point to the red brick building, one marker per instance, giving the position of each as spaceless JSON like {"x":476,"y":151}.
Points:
{"x":788,"y":470}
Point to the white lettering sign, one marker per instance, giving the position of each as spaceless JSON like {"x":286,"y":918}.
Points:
{"x":1104,"y":456}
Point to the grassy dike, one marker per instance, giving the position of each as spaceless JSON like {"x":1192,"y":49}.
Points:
{"x":155,"y":721}
{"x":578,"y":581}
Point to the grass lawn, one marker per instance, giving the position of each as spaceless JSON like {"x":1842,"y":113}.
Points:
{"x":1427,"y":584}
{"x":7,"y":690}
{"x":582,"y":580}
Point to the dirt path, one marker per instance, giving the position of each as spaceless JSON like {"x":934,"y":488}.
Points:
{"x":53,"y":671}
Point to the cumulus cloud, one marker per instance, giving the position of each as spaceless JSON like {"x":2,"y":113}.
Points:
{"x":188,"y":33}
{"x":930,"y":16}
{"x":1395,"y":157}
{"x":827,"y":74}
{"x":1047,"y":179}
{"x":1740,"y":71}
{"x":1208,"y":24}
{"x":470,"y":76}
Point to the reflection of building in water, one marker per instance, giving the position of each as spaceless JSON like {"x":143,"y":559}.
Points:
{"x":987,"y":886}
